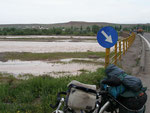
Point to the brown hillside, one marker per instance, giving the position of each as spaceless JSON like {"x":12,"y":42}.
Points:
{"x":68,"y":24}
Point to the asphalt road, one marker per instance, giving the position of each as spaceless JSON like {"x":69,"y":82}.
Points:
{"x":147,"y":54}
{"x":145,"y":76}
{"x":147,"y":36}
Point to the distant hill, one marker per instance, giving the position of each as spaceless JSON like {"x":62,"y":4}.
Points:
{"x":68,"y":24}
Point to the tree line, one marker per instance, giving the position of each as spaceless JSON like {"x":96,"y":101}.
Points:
{"x":88,"y":31}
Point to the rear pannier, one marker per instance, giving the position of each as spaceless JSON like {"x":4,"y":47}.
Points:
{"x":81,"y":96}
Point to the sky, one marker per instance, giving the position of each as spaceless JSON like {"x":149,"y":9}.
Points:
{"x":60,"y":11}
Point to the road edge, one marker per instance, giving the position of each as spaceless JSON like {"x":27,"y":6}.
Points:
{"x":142,"y":60}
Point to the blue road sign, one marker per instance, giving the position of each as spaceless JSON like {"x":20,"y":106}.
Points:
{"x":107,"y":37}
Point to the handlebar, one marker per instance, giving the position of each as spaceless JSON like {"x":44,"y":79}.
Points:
{"x":58,"y":99}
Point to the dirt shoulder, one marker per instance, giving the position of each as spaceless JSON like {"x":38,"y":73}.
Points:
{"x":131,"y":60}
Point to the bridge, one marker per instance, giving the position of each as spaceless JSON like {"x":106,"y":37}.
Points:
{"x":136,"y":61}
{"x":145,"y":75}
{"x":133,"y":55}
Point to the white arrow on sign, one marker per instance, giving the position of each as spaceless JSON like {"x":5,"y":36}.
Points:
{"x":108,"y":38}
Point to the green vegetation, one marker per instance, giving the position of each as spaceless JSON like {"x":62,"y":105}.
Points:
{"x":50,"y":31}
{"x":146,"y":27}
{"x":89,"y":31}
{"x":52,"y":56}
{"x":35,"y":94}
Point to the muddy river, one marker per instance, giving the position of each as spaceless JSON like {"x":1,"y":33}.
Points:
{"x":53,"y":68}
{"x":45,"y":47}
{"x":46,"y":36}
{"x":36,"y":68}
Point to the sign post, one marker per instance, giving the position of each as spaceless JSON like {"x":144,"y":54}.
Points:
{"x":107,"y":37}
{"x":107,"y":57}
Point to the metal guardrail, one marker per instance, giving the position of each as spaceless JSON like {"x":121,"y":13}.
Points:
{"x":120,"y":49}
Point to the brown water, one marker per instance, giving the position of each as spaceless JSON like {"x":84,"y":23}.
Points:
{"x":46,"y":36}
{"x":83,"y":59}
{"x":36,"y":68}
{"x":45,"y":47}
{"x":64,"y":67}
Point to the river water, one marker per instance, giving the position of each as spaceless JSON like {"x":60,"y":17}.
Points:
{"x":52,"y":68}
{"x":45,"y":47}
{"x":49,"y":36}
{"x":17,"y":67}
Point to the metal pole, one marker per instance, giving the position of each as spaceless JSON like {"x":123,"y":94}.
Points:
{"x":115,"y":54}
{"x":124,"y":47}
{"x":126,"y":44}
{"x":119,"y":50}
{"x":129,"y":41}
{"x":107,"y":57}
{"x":104,"y":107}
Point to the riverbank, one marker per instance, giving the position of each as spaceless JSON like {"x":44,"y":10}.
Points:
{"x":35,"y":94}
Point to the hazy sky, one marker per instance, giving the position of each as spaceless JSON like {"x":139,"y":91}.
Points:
{"x":56,"y":11}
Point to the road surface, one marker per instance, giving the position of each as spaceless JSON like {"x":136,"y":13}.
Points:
{"x":145,"y":76}
{"x":131,"y":64}
{"x":147,"y":36}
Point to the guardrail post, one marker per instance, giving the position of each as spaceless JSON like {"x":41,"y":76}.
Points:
{"x":124,"y":47}
{"x":107,"y":57}
{"x":126,"y":44}
{"x":119,"y":50}
{"x":115,"y":54}
{"x":131,"y":39}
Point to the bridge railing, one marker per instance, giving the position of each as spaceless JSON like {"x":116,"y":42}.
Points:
{"x":119,"y":49}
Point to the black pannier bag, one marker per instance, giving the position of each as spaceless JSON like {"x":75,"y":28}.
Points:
{"x":134,"y":96}
{"x":134,"y":103}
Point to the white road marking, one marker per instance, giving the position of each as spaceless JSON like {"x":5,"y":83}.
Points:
{"x":148,"y":44}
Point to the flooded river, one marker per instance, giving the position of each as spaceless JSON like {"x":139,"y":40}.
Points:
{"x":46,"y":47}
{"x":47,"y":36}
{"x":36,"y":68}
{"x":52,"y":68}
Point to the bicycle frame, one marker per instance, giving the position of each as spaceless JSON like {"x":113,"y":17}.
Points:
{"x":98,"y":108}
{"x":60,"y":103}
{"x":104,"y":107}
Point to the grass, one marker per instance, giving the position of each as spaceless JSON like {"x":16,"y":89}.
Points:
{"x":35,"y":94}
{"x":51,"y":56}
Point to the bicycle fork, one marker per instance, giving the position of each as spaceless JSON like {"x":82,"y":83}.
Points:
{"x":104,"y":107}
{"x":57,"y":110}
